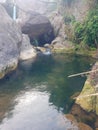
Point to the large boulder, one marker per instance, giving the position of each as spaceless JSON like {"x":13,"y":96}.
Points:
{"x":10,"y":39}
{"x":61,"y":41}
{"x":26,"y":50}
{"x":35,"y":25}
{"x":61,"y":44}
{"x":88,"y":98}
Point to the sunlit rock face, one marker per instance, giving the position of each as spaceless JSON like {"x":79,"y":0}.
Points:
{"x":10,"y":39}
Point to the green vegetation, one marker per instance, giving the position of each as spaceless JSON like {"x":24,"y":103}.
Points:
{"x":87,"y":32}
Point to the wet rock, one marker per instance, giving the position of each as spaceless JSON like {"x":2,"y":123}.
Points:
{"x":83,"y":116}
{"x":71,"y":123}
{"x":10,"y":41}
{"x":80,"y":125}
{"x":83,"y":126}
{"x":71,"y":118}
{"x":27,"y":51}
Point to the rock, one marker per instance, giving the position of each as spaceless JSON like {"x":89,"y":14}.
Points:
{"x":27,"y":51}
{"x":47,"y":45}
{"x":60,"y":43}
{"x":87,"y":102}
{"x":35,"y":25}
{"x":90,"y":102}
{"x":58,"y":24}
{"x":10,"y":40}
{"x":83,"y":126}
{"x":57,"y":43}
{"x":61,"y":40}
{"x":41,"y":49}
{"x":70,"y":122}
{"x":84,"y":116}
{"x":71,"y":118}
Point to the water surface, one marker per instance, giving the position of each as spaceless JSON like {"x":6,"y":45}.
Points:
{"x":37,"y":95}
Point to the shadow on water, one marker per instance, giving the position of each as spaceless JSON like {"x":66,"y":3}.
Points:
{"x":47,"y":76}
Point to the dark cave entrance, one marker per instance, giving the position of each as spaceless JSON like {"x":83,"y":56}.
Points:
{"x":42,"y":39}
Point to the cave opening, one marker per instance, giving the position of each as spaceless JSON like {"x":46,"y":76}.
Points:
{"x":43,"y":39}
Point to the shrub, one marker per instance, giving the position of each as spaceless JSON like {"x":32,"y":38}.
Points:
{"x":87,"y":32}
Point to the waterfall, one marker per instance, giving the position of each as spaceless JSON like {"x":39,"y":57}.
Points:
{"x":47,"y":52}
{"x":14,"y":12}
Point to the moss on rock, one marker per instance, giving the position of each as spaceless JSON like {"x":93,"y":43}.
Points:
{"x":86,"y":101}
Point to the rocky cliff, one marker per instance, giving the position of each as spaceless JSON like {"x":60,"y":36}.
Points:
{"x":13,"y":45}
{"x":10,"y":41}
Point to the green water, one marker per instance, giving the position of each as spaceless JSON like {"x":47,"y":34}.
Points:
{"x":37,"y":95}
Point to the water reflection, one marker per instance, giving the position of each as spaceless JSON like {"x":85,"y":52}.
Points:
{"x":37,"y":94}
{"x":33,"y":112}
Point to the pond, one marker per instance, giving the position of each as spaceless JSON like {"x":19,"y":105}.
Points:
{"x":37,"y":94}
